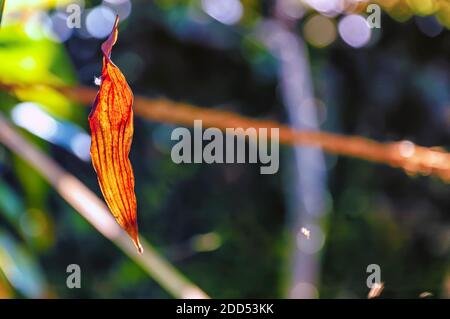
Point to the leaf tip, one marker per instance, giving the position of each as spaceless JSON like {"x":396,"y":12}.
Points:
{"x":112,"y":39}
{"x":138,"y":245}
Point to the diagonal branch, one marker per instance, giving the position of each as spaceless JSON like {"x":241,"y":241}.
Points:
{"x":406,"y":155}
{"x":92,"y":208}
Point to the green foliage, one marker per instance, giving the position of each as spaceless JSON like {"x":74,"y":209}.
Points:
{"x":2,"y":8}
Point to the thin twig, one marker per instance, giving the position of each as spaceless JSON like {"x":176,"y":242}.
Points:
{"x":406,"y":155}
{"x":412,"y":158}
{"x":92,"y":208}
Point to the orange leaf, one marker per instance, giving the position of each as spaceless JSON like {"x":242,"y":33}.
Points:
{"x":111,"y":122}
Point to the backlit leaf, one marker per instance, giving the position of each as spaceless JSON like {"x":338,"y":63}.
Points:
{"x":111,"y":122}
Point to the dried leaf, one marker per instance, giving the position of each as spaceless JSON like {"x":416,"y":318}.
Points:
{"x":111,"y":122}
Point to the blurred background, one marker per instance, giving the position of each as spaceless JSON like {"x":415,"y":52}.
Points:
{"x":311,"y":64}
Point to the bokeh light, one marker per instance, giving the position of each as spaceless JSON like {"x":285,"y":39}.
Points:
{"x":225,"y":11}
{"x":120,"y":7}
{"x":424,"y":7}
{"x":429,"y":26}
{"x":320,"y":31}
{"x":355,"y":30}
{"x":32,"y":118}
{"x":60,"y":31}
{"x":69,"y":136}
{"x":100,"y":21}
{"x":38,"y":25}
{"x":326,"y":7}
{"x":292,"y":9}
